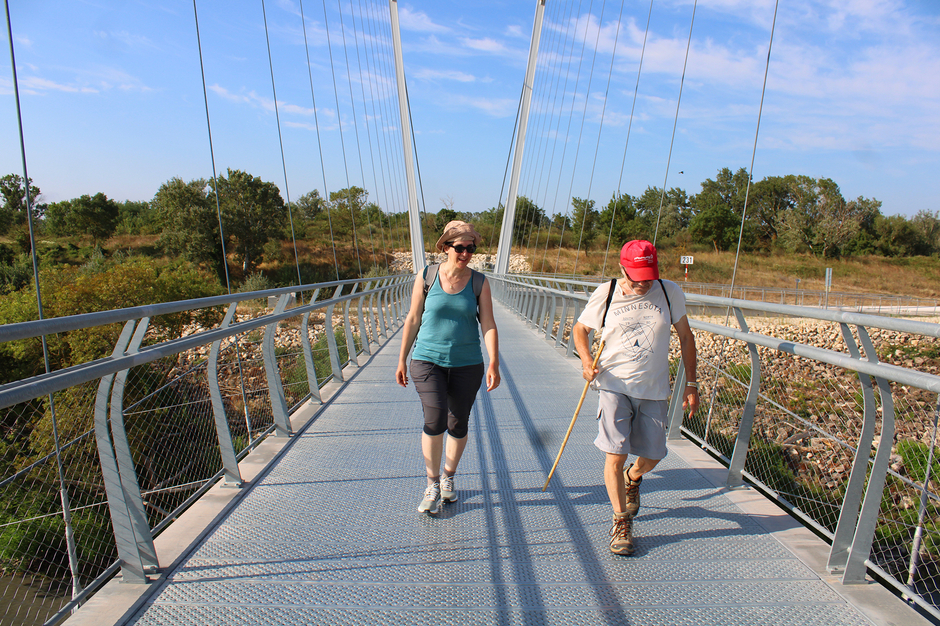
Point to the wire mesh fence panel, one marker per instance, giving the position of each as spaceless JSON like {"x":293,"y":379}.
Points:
{"x":907,"y":538}
{"x":40,"y":566}
{"x":171,"y":431}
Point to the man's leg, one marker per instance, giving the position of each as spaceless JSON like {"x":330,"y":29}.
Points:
{"x":613,"y":480}
{"x":641,"y":466}
{"x":621,"y":531}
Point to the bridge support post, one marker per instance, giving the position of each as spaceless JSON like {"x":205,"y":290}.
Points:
{"x":414,"y":216}
{"x":509,"y":214}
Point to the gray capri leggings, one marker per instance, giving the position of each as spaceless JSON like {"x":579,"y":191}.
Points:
{"x":447,"y":395}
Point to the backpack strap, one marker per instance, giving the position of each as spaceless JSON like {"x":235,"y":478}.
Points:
{"x":668,"y":303}
{"x":610,"y":296}
{"x":429,"y":271}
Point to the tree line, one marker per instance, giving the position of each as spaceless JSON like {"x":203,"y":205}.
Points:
{"x":793,"y":213}
{"x":790,"y":213}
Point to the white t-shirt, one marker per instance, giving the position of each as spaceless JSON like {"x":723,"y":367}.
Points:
{"x":635,"y":360}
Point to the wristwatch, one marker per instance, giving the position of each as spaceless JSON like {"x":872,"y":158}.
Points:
{"x":692,"y":384}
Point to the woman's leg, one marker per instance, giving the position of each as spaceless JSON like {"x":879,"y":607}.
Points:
{"x":432,"y":446}
{"x":455,"y":448}
{"x":462,"y":386}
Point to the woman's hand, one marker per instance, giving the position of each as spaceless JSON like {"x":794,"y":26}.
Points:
{"x":401,"y":375}
{"x":492,"y":376}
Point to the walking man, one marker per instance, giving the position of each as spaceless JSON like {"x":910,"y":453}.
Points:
{"x":632,"y":376}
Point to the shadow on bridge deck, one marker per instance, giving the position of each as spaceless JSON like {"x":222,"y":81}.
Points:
{"x":329,"y":534}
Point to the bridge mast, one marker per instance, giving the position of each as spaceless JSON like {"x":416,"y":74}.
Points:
{"x":509,"y":215}
{"x":414,"y":215}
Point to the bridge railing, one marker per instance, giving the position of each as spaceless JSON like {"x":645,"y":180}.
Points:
{"x":832,"y":414}
{"x":881,"y":304}
{"x":100,"y":456}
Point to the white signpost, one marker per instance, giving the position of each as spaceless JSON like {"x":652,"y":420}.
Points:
{"x":687,"y":261}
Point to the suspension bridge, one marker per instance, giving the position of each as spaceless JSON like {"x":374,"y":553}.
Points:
{"x":261,"y":465}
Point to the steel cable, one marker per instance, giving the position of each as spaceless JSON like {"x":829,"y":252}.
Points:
{"x":627,"y":142}
{"x":280,"y":139}
{"x":675,"y":123}
{"x":352,"y":106}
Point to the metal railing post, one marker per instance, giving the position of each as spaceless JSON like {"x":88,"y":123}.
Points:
{"x":125,"y":461}
{"x":351,"y":349}
{"x":232,"y":476}
{"x":855,"y":486}
{"x":868,"y":518}
{"x":675,"y":411}
{"x":335,"y":366}
{"x":746,"y":424}
{"x":126,"y":541}
{"x":312,"y":383}
{"x":363,"y":329}
{"x":279,"y":410}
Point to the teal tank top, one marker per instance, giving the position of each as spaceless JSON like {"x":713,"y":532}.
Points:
{"x":449,"y":334}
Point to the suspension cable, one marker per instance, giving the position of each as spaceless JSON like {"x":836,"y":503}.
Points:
{"x":218,"y":212}
{"x":720,"y":354}
{"x":395,"y":174}
{"x":627,"y":142}
{"x":414,"y":151}
{"x":339,"y":120}
{"x":502,"y":188}
{"x":63,"y":489}
{"x":535,"y":170}
{"x":564,"y":147}
{"x":280,"y":140}
{"x":675,"y":123}
{"x":362,"y":86}
{"x":560,"y":56}
{"x":600,"y":128}
{"x":574,"y":97}
{"x":587,"y":97}
{"x":316,"y":122}
{"x":380,"y":137}
{"x":352,"y":105}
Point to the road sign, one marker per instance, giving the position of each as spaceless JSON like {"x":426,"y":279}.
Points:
{"x":685,"y":260}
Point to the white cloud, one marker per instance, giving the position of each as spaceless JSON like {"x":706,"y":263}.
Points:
{"x":494,"y":107}
{"x":418,"y":21}
{"x":430,"y":74}
{"x":253,"y":99}
{"x":485,"y":45}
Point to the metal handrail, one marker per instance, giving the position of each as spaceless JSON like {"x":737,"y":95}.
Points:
{"x":383,"y":299}
{"x":549,"y":303}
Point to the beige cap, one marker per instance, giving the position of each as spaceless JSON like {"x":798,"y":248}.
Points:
{"x":458,"y":231}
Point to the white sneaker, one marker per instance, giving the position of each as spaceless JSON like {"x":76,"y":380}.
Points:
{"x":448,"y":491}
{"x":431,"y":503}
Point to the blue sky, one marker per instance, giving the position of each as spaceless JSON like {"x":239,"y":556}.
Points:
{"x":113,"y":102}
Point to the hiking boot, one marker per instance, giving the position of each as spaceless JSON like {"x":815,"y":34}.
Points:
{"x":448,"y":491}
{"x":621,"y":534}
{"x":431,"y":503}
{"x":633,"y":493}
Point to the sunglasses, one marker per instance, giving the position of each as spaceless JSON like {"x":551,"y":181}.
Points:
{"x":461,"y":249}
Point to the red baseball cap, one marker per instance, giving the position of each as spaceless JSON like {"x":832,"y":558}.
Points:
{"x":638,"y":258}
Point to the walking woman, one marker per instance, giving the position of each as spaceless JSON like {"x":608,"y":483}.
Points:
{"x":447,"y":363}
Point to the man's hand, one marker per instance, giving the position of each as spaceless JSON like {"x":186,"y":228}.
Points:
{"x":691,"y":400}
{"x":588,"y":371}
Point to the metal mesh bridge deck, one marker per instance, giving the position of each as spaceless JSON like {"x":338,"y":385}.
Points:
{"x":330,"y":534}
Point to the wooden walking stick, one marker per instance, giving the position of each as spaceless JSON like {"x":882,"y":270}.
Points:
{"x":576,"y":411}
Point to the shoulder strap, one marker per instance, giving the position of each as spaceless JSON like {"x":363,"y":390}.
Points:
{"x":430,"y":271}
{"x":610,"y":296}
{"x":668,"y":303}
{"x":477,"y":278}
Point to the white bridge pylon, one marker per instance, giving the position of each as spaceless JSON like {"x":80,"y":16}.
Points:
{"x":509,"y":214}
